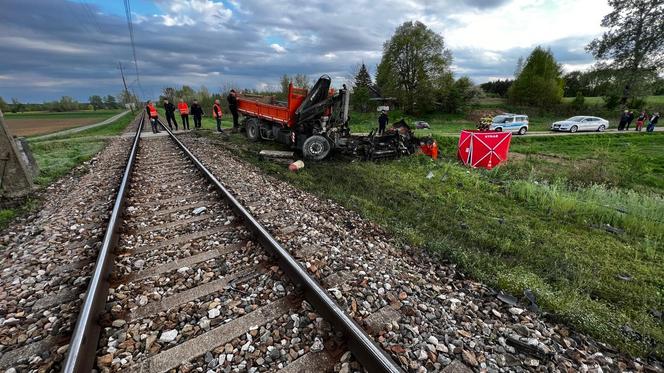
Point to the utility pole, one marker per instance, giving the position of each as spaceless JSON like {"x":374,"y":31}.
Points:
{"x":131,"y":104}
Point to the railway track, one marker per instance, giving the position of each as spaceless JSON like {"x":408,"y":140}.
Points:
{"x":187,"y":279}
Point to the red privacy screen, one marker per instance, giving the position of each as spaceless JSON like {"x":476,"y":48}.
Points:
{"x":485,"y":149}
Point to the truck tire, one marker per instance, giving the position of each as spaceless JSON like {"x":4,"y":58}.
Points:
{"x":253,"y":130}
{"x":316,"y":148}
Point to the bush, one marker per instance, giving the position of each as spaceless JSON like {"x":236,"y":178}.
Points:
{"x":611,"y":102}
{"x":579,"y":101}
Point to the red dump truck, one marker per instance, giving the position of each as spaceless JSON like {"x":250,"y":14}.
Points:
{"x":316,"y":122}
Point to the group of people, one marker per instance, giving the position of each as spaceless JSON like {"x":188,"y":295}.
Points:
{"x":628,"y":116}
{"x":196,"y":111}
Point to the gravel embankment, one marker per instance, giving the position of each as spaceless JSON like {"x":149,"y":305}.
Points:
{"x":442,"y":317}
{"x":46,"y":259}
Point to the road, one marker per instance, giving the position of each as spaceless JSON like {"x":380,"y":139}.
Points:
{"x":551,"y":133}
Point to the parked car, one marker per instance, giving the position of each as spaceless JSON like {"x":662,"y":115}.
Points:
{"x":515,"y":123}
{"x":581,"y":123}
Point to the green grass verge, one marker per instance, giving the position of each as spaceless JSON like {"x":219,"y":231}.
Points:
{"x":7,"y":215}
{"x":57,"y":158}
{"x":539,"y":222}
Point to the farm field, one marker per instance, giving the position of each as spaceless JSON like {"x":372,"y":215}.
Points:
{"x":577,"y":220}
{"x":656,"y":101}
{"x":31,"y":123}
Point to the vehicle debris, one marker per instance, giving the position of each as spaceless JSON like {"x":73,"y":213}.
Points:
{"x":296,"y":166}
{"x":316,"y":123}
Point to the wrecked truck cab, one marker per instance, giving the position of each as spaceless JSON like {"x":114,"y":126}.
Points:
{"x":315,"y":122}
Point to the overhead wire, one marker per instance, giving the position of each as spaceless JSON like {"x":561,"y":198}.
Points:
{"x":92,"y":15}
{"x":130,"y":26}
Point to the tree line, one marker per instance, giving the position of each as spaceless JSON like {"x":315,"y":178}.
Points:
{"x":629,"y":61}
{"x":66,"y":103}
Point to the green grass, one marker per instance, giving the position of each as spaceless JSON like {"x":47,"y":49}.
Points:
{"x":441,"y":124}
{"x":111,"y":129}
{"x":539,"y":222}
{"x":57,"y":158}
{"x":655,"y":101}
{"x":61,"y":115}
{"x":6,"y":216}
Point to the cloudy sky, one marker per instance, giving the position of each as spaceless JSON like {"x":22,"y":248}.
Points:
{"x":52,"y":48}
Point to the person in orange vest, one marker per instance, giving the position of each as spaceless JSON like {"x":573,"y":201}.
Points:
{"x":183,"y":108}
{"x":216,"y":113}
{"x":153,"y":115}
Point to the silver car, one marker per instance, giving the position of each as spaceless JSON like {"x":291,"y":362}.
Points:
{"x":581,"y":123}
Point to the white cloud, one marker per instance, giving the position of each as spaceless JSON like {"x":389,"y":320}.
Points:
{"x":526,"y":23}
{"x":194,"y":12}
{"x":278,"y":48}
{"x":41,"y":45}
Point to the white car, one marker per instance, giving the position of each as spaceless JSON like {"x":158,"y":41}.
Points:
{"x":515,"y":123}
{"x":581,"y":123}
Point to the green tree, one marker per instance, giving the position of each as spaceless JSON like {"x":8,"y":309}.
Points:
{"x":519,"y":67}
{"x":540,"y":83}
{"x":301,"y":81}
{"x":17,"y":106}
{"x":3,"y":105}
{"x":362,"y":78}
{"x":110,"y":102}
{"x":65,"y":103}
{"x":455,"y":95}
{"x":579,"y":101}
{"x":168,"y":93}
{"x":187,"y":93}
{"x":633,"y":47}
{"x":497,"y":87}
{"x":413,"y":60}
{"x":96,"y":102}
{"x":285,"y":82}
{"x":362,"y":82}
{"x":573,"y":83}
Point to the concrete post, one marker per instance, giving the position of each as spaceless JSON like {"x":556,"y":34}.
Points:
{"x":15,"y":178}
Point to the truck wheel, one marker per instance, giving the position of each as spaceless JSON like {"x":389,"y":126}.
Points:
{"x":316,"y":148}
{"x":253,"y":130}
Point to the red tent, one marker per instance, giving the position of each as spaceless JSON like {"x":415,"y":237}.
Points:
{"x":484,"y":149}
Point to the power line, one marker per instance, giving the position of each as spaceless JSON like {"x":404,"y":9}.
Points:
{"x":130,"y":26}
{"x":92,"y":15}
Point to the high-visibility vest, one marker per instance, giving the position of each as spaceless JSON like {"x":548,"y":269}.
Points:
{"x":153,"y":111}
{"x":214,"y":112}
{"x":183,"y":107}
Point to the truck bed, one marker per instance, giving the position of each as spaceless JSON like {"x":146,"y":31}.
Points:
{"x":266,"y":108}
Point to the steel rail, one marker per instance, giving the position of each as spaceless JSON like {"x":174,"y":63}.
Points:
{"x":367,"y":352}
{"x":83,"y":344}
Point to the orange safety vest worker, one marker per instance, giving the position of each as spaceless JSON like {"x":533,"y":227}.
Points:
{"x":216,"y":109}
{"x":184,"y":108}
{"x":153,"y":111}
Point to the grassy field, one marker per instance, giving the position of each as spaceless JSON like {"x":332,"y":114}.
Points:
{"x":578,"y":220}
{"x":655,"y":101}
{"x":59,"y":155}
{"x":66,"y":115}
{"x":39,"y":123}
